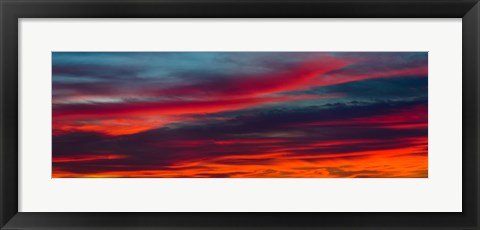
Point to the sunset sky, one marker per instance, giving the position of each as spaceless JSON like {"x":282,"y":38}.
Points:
{"x":240,"y":114}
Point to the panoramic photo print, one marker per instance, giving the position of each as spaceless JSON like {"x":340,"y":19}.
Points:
{"x":240,"y":114}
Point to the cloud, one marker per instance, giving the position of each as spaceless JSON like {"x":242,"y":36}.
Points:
{"x":228,"y":114}
{"x":247,"y":140}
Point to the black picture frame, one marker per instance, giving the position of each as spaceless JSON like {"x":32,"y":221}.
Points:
{"x":12,"y":10}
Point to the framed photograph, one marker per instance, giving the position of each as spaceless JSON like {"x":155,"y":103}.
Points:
{"x":239,"y":114}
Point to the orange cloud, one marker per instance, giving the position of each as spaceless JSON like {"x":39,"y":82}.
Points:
{"x":405,"y":162}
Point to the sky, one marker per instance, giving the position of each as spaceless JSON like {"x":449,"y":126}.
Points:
{"x":240,"y":114}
